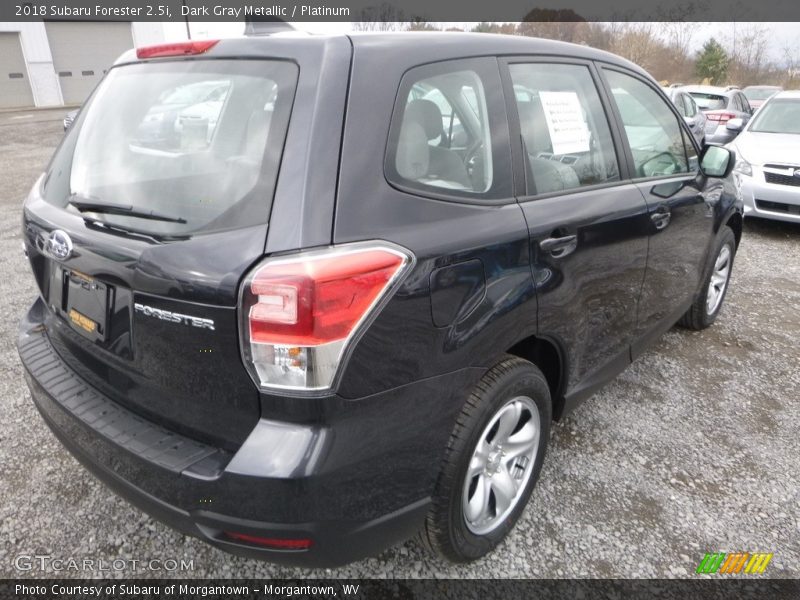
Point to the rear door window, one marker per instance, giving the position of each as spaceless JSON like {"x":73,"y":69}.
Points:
{"x":563,"y":126}
{"x":180,"y":146}
{"x":446,"y":131}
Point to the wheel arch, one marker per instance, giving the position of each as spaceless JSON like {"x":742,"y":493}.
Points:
{"x":735,"y":222}
{"x":547,"y":356}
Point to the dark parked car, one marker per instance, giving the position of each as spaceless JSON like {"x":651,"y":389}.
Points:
{"x":720,"y":105}
{"x":691,"y":113}
{"x":317,"y":321}
{"x":758,"y":94}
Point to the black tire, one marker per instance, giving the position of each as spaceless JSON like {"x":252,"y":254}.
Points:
{"x":446,"y":531}
{"x":698,"y":316}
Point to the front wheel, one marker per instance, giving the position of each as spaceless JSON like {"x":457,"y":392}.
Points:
{"x":717,"y":275}
{"x":492,"y":462}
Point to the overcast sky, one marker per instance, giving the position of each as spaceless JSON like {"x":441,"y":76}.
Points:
{"x":780,"y":35}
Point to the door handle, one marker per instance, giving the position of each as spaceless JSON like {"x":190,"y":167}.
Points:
{"x":661,"y":218}
{"x":559,"y":246}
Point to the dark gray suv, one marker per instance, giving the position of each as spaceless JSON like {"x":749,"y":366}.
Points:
{"x":304,"y":297}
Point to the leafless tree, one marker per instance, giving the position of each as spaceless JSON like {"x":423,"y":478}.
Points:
{"x":747,"y":46}
{"x":384,"y":17}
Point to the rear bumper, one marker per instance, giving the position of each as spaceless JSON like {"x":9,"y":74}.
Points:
{"x":312,"y":482}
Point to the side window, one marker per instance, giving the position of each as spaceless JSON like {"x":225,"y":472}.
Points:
{"x":653,"y":131}
{"x":678,"y":102}
{"x":564,"y":127}
{"x":745,"y":103}
{"x":442,"y":139}
{"x":689,"y":105}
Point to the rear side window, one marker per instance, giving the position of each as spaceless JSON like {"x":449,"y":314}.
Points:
{"x":444,"y":136}
{"x":564,"y":127}
{"x":654,"y":133}
{"x":197,"y":143}
{"x":745,"y":103}
{"x":689,"y":105}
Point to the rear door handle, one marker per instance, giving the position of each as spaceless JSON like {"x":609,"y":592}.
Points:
{"x":559,"y":246}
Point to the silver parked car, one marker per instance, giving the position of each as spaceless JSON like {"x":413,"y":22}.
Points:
{"x":758,"y":94}
{"x":691,"y":113}
{"x":768,"y":159}
{"x":720,"y":105}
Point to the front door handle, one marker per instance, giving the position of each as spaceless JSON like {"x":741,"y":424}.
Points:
{"x":559,"y":246}
{"x":661,"y":218}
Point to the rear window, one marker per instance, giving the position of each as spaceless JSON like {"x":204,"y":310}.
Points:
{"x":181,"y":147}
{"x":709,"y":101}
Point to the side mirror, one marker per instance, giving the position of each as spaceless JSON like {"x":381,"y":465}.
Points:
{"x":717,"y":161}
{"x":735,"y":124}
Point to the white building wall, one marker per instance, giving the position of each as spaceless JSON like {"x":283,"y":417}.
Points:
{"x":44,"y":81}
{"x":39,"y":62}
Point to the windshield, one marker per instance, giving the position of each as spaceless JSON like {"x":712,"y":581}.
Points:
{"x":761,"y":93}
{"x":778,"y":116}
{"x":709,"y":101}
{"x":197,"y":142}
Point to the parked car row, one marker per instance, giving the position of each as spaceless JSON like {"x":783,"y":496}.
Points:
{"x":762,"y":125}
{"x":768,"y":158}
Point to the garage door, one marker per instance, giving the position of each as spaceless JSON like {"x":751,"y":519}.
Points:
{"x":15,"y":88}
{"x":83,"y":52}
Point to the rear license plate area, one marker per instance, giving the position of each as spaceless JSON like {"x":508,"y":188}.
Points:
{"x":85,"y":304}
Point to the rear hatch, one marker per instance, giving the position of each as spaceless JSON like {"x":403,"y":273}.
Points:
{"x":152,"y":210}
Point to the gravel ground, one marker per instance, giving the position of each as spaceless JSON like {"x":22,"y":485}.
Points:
{"x":693,"y":449}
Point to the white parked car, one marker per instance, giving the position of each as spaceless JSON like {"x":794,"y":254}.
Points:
{"x":768,"y":159}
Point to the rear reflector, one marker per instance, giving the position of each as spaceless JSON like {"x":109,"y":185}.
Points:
{"x":274,"y":543}
{"x":178,"y":49}
{"x":300,"y":312}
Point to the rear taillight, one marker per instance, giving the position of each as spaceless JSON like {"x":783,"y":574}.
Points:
{"x":722,"y":117}
{"x":177,"y":49}
{"x":300,"y":312}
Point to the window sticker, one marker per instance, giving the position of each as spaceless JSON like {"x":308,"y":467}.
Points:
{"x":568,"y":131}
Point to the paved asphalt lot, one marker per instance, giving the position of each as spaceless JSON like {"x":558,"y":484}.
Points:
{"x":694,"y":449}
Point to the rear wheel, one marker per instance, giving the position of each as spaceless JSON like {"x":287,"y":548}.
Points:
{"x":718,"y":270}
{"x":492,"y":463}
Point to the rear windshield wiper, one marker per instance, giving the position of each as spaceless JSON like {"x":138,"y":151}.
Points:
{"x":93,"y":206}
{"x":122,"y":230}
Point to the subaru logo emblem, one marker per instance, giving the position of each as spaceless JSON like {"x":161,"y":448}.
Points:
{"x":58,"y":245}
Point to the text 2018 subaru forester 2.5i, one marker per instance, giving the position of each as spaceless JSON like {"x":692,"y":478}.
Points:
{"x":337,"y":296}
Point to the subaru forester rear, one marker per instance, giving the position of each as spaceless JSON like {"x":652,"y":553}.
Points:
{"x":304,"y":296}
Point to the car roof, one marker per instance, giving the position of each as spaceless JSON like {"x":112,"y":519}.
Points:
{"x":708,"y":89}
{"x":451,"y":44}
{"x":409,"y":47}
{"x":787,"y":95}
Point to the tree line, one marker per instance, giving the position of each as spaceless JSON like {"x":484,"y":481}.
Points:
{"x":665,"y":49}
